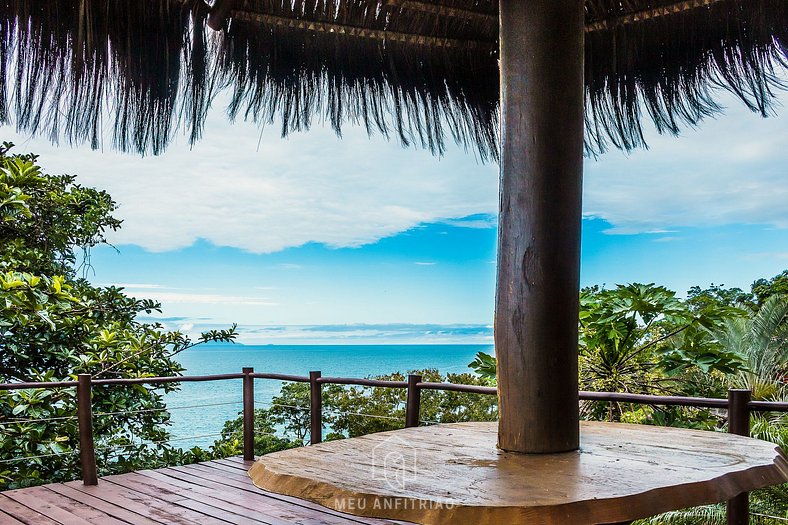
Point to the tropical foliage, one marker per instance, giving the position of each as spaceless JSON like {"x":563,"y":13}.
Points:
{"x":55,"y":325}
{"x":643,"y":339}
{"x":350,"y":411}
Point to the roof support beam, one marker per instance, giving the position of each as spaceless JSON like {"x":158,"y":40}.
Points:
{"x":537,"y":296}
{"x":359,"y":32}
{"x":440,"y":10}
{"x":224,"y":9}
{"x":639,"y":16}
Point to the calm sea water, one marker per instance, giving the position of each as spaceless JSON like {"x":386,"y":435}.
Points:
{"x":197,"y":426}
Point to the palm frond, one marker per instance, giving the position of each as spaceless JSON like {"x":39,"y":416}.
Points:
{"x":705,"y":515}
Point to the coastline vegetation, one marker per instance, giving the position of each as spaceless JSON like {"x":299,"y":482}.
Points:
{"x":54,"y":324}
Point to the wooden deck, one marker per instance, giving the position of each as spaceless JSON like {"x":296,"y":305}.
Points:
{"x":215,"y":492}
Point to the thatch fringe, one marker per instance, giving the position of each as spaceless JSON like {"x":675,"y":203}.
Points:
{"x":202,"y":79}
{"x":670,"y":66}
{"x":421,"y":93}
{"x":423,"y":71}
{"x":70,"y":62}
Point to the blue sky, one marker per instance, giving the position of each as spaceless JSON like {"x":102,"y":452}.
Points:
{"x":315,"y":239}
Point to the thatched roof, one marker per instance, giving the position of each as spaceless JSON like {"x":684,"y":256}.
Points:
{"x":422,"y":70}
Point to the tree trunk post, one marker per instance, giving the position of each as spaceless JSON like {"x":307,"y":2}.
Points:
{"x":537,"y":302}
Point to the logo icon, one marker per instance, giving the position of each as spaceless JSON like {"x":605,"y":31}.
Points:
{"x":394,"y":461}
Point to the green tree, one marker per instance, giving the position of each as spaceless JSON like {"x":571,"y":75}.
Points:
{"x":266,"y":439}
{"x":762,"y":289}
{"x":761,"y":339}
{"x":641,"y":337}
{"x":717,"y":295}
{"x":55,"y":325}
{"x":351,"y":411}
{"x":356,"y":411}
{"x":290,"y":410}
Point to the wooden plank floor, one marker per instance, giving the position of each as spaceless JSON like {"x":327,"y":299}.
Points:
{"x":216,"y":492}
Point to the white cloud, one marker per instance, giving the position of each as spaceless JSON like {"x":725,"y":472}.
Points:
{"x":135,"y":286}
{"x":200,"y":298}
{"x":310,"y":187}
{"x":766,"y":255}
{"x":345,"y":334}
{"x":365,"y":334}
{"x":477,"y":222}
{"x":732,"y":170}
{"x":313,"y":187}
{"x":425,"y":263}
{"x":667,"y":239}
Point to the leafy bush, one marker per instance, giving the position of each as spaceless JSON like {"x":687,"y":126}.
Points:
{"x":55,"y":325}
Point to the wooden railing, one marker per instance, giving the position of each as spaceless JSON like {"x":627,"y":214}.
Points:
{"x":739,"y":406}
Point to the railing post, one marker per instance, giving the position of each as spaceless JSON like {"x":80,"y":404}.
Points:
{"x":739,"y":424}
{"x":315,"y":409}
{"x":87,"y":452}
{"x":413,"y":406}
{"x":248,"y":389}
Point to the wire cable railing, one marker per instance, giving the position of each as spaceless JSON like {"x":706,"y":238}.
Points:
{"x":12,"y":421}
{"x":39,"y":456}
{"x":168,"y":409}
{"x":768,"y":516}
{"x":739,"y":407}
{"x":363,"y":414}
{"x":281,"y":405}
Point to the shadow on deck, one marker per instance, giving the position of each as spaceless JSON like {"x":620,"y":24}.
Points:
{"x":215,"y":492}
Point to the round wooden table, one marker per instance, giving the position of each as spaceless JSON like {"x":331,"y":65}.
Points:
{"x":453,"y":473}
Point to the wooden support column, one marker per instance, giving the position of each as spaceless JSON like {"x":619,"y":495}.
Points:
{"x":539,"y":230}
{"x":248,"y":413}
{"x":413,"y":403}
{"x":315,"y":408}
{"x":738,"y":508}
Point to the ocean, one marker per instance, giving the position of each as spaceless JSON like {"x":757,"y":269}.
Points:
{"x":196,"y":424}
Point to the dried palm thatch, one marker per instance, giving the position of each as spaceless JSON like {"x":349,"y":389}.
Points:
{"x":423,"y":76}
{"x":68,"y":64}
{"x":423,"y":70}
{"x":669,"y":60}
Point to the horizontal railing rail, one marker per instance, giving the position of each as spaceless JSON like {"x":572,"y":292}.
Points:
{"x":362,"y":382}
{"x":162,"y":380}
{"x":739,"y":407}
{"x":281,"y":377}
{"x":470,"y":389}
{"x":646,"y":399}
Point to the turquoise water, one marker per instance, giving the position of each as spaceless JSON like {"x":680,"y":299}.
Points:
{"x":188,"y":424}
